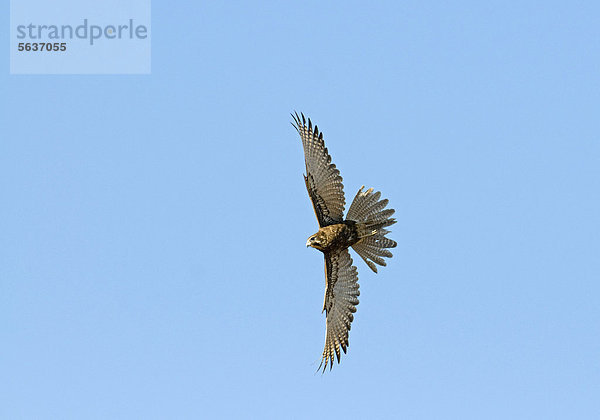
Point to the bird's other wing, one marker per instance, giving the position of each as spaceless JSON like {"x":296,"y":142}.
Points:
{"x":323,"y":180}
{"x":341,"y":298}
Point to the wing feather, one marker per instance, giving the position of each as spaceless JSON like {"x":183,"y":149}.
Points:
{"x":323,"y":179}
{"x":341,"y":298}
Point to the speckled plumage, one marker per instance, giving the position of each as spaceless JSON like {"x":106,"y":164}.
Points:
{"x":363,"y":230}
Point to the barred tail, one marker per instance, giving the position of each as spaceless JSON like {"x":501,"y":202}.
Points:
{"x":371,"y":218}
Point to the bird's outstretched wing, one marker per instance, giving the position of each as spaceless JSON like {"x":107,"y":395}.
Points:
{"x":323,"y":180}
{"x":341,"y":298}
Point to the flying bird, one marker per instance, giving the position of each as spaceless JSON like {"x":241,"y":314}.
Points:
{"x":363,"y":229}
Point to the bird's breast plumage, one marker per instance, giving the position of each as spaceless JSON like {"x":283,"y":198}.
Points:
{"x":338,"y":236}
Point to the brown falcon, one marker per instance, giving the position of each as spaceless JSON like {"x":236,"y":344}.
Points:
{"x":363,"y":230}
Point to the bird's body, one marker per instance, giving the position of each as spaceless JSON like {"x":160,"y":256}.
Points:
{"x":340,"y":235}
{"x":363,"y":229}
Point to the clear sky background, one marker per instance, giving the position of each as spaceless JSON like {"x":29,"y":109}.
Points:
{"x":152,"y":228}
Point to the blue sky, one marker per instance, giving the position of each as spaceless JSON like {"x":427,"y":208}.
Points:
{"x":152,"y":255}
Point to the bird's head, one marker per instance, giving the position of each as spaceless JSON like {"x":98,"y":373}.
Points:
{"x":317,"y":241}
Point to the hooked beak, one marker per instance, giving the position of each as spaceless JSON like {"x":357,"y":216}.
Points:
{"x":308,"y":243}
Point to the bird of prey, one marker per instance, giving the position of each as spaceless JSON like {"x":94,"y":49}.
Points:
{"x":363,"y":229}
